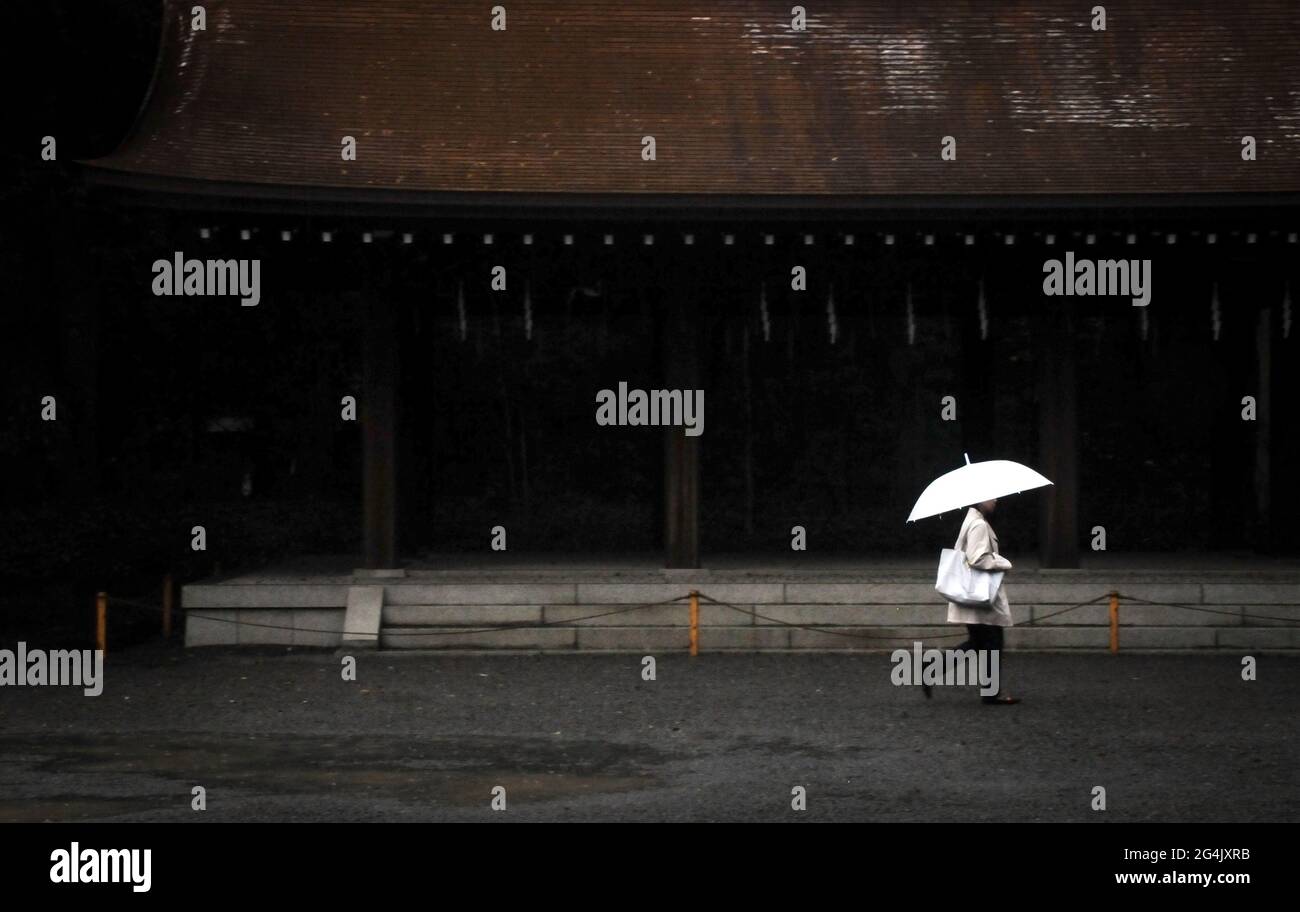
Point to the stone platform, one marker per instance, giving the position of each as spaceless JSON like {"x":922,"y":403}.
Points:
{"x":554,"y":604}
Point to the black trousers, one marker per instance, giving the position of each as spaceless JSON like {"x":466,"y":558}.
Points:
{"x":982,"y":637}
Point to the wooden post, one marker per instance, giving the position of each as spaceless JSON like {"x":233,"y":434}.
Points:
{"x":682,"y":483}
{"x":1058,"y":437}
{"x":378,"y":407}
{"x":1263,"y":430}
{"x":977,"y":398}
{"x":101,"y":622}
{"x":1114,"y":623}
{"x":80,"y":365}
{"x":748,"y":385}
{"x":681,"y":453}
{"x":167,"y":590}
{"x":695,"y":623}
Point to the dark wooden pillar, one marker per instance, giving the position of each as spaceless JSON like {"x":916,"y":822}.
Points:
{"x":1263,"y":536}
{"x":681,"y":370}
{"x":1058,"y":437}
{"x":80,"y":389}
{"x":378,"y":407}
{"x":976,"y":400}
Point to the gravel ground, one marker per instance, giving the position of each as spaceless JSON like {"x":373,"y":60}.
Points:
{"x":280,"y":736}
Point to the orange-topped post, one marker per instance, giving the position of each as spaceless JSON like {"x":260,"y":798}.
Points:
{"x":695,"y":623}
{"x":1114,"y":623}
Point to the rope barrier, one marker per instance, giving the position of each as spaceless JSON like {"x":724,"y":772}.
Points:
{"x":519,"y":625}
{"x":1240,"y":614}
{"x":817,"y":628}
{"x":749,"y":612}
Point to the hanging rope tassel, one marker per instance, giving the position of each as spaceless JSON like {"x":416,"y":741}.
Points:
{"x":1286,"y":311}
{"x":528,"y":313}
{"x":832,"y":327}
{"x":1216,"y":322}
{"x":460,"y":310}
{"x":911,"y":317}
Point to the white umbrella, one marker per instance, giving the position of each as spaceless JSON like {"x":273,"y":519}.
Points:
{"x":974,"y":483}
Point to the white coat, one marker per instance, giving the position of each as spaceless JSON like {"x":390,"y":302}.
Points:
{"x":980,"y":544}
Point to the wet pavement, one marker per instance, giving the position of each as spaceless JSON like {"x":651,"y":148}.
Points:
{"x":279,"y":735}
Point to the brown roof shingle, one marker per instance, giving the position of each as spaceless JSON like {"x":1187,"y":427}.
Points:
{"x":739,"y":104}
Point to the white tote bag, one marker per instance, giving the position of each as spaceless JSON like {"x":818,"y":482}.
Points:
{"x":959,"y":582}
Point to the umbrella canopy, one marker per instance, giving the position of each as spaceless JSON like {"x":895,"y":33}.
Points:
{"x":973,"y":483}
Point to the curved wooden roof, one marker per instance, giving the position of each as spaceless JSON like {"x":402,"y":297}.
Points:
{"x":740,"y":105}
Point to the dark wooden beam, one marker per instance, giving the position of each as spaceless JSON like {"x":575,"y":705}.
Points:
{"x":681,"y":363}
{"x":378,"y":408}
{"x":976,"y":403}
{"x":1264,"y":532}
{"x":1058,"y":437}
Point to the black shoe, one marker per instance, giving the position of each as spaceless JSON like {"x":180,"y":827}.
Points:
{"x":1001,"y":700}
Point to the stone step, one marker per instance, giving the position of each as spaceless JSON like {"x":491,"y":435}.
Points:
{"x":623,"y":616}
{"x":1033,"y":591}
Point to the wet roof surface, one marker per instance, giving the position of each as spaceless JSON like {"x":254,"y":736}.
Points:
{"x":738,"y":102}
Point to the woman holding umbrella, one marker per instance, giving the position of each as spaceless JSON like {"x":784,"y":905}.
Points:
{"x":979,"y":543}
{"x":981,"y":484}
